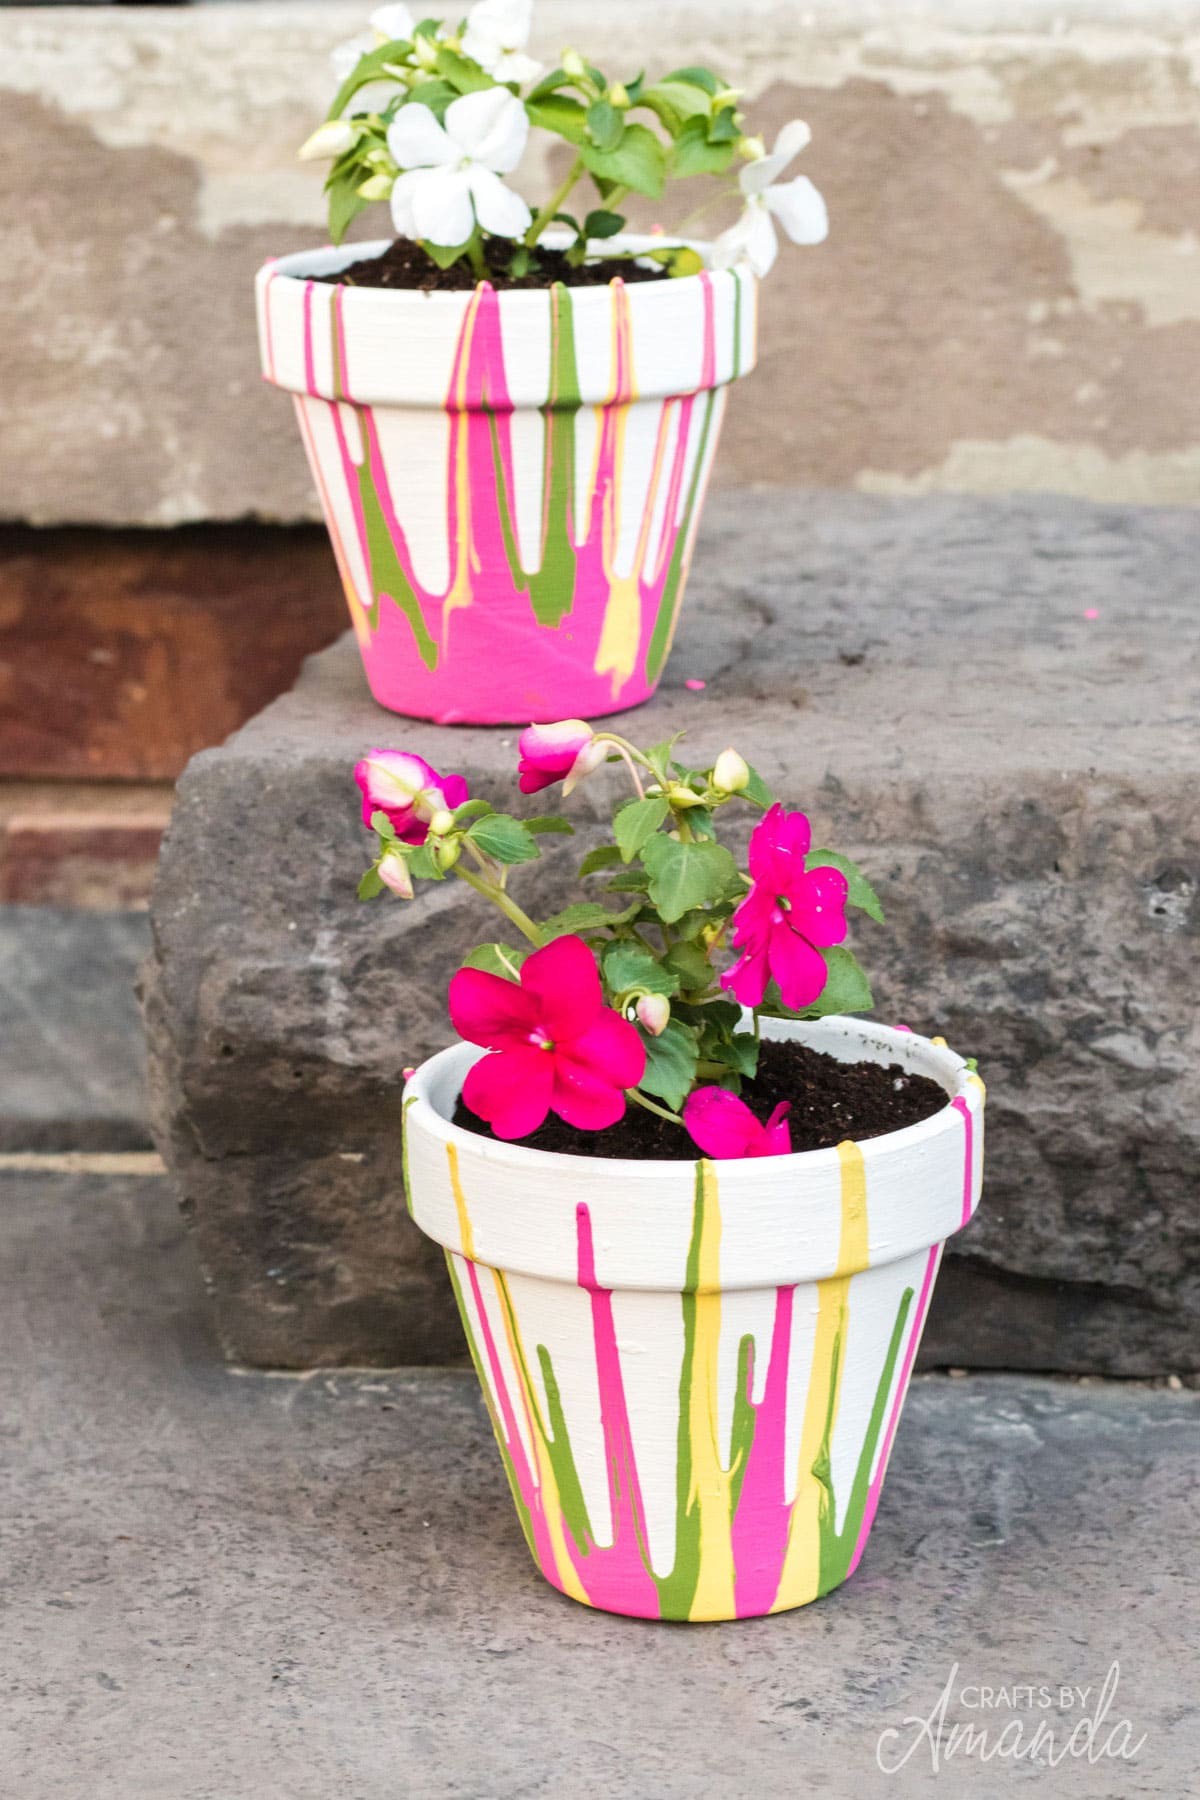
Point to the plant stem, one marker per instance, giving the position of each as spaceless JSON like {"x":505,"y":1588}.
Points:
{"x":505,"y":902}
{"x":554,"y":204}
{"x":649,"y":1105}
{"x":475,"y":256}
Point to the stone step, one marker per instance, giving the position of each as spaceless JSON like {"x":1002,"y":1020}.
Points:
{"x":71,"y":1057}
{"x":298,"y":1588}
{"x":991,"y":705}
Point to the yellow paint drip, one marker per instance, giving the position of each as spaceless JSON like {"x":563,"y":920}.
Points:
{"x":460,"y":591}
{"x":711,"y":1481}
{"x":466,"y":1235}
{"x":800,"y":1579}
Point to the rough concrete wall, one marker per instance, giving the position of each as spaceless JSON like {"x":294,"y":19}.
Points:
{"x":1010,"y":299}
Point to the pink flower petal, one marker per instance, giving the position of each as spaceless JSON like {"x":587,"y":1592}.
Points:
{"x":819,"y":906}
{"x":563,"y":982}
{"x":777,"y":1136}
{"x":720,"y":1124}
{"x":485,"y":1009}
{"x":747,"y":980}
{"x":511,"y":1089}
{"x":548,"y":752}
{"x":584,"y":1097}
{"x":798,"y":968}
{"x":611,"y":1046}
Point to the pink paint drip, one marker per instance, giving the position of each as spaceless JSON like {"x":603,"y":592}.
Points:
{"x":960,"y":1106}
{"x":914,"y":1338}
{"x":763,"y":1517}
{"x":516,"y":669}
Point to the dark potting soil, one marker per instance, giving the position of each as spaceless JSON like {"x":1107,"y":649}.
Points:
{"x":831,"y":1101}
{"x":405,"y":265}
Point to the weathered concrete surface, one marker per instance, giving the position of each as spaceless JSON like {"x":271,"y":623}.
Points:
{"x":1009,"y":299}
{"x":70,"y":1044}
{"x":1018,"y":778}
{"x":219,"y":1586}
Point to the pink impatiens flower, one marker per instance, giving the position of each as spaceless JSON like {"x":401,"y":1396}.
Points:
{"x":408,"y":790}
{"x":564,"y":752}
{"x":555,"y":1045}
{"x":788,"y":916}
{"x":724,"y":1127}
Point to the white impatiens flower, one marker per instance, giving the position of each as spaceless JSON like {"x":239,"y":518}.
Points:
{"x":391,"y":23}
{"x":388,"y":24}
{"x":496,"y":35}
{"x":796,"y":204}
{"x":452,"y":171}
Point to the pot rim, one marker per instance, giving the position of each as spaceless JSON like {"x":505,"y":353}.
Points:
{"x":302,"y":265}
{"x":934,"y":1058}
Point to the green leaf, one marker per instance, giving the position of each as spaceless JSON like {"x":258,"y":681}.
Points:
{"x":606,"y":126}
{"x":550,"y":825}
{"x":675,"y":102}
{"x":636,"y":822}
{"x":603,"y":857}
{"x":371,"y":884}
{"x":717,"y":1020}
{"x":557,"y":78}
{"x":560,"y":114}
{"x":368,"y":68}
{"x":585,"y":915}
{"x":861,"y":893}
{"x":629,"y":966}
{"x":444,"y":255}
{"x":463,"y":75}
{"x":639,"y":161}
{"x":436,"y":95}
{"x":422,"y":866}
{"x":697,"y":77}
{"x":505,"y":839}
{"x":694,"y":155}
{"x":686,"y":875}
{"x":757,"y":791}
{"x":629,"y":881}
{"x":846,"y":990}
{"x":670,"y":1063}
{"x":739,"y":1053}
{"x":345,"y":204}
{"x":496,"y":959}
{"x":472,"y":809}
{"x":601,"y":224}
{"x":689,"y":963}
{"x":724,"y":128}
{"x":381,"y":824}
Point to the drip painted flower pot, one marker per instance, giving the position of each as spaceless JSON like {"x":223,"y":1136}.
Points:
{"x":695,"y":1371}
{"x":512,"y":481}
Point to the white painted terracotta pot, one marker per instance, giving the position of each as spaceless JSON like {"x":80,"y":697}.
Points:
{"x":695,"y":1370}
{"x":512,"y":481}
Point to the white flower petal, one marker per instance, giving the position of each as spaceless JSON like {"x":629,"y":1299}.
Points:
{"x":509,"y":22}
{"x":417,"y":141}
{"x":392,"y":22}
{"x":751,"y":241}
{"x":402,"y":202}
{"x":800,"y":210}
{"x":441,"y":205}
{"x":514,"y":65}
{"x":497,"y":208}
{"x":327,"y":141}
{"x":490,"y":126}
{"x":483,"y":47}
{"x":757,"y":176}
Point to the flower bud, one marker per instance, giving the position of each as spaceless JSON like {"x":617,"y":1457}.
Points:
{"x":682,"y":798}
{"x":327,"y":141}
{"x":589,"y":759}
{"x":752,"y":148}
{"x":394,"y":874}
{"x":376,"y":187}
{"x":618,"y":95}
{"x":726,"y":97}
{"x":444,"y":851}
{"x":573,"y":64}
{"x":441,"y":822}
{"x":731,"y":772}
{"x":425,"y":51}
{"x":654,"y":1013}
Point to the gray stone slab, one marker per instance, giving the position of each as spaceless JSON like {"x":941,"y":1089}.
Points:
{"x":221,"y":1585}
{"x":71,"y":1057}
{"x":1019,"y":778}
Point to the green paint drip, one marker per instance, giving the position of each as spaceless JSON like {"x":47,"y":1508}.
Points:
{"x":660,"y":641}
{"x":523,"y":1512}
{"x":388,"y":580}
{"x":837,"y":1547}
{"x":744,"y":1418}
{"x":552,"y":588}
{"x":404,"y":1112}
{"x":558,"y":1448}
{"x":677,"y":1590}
